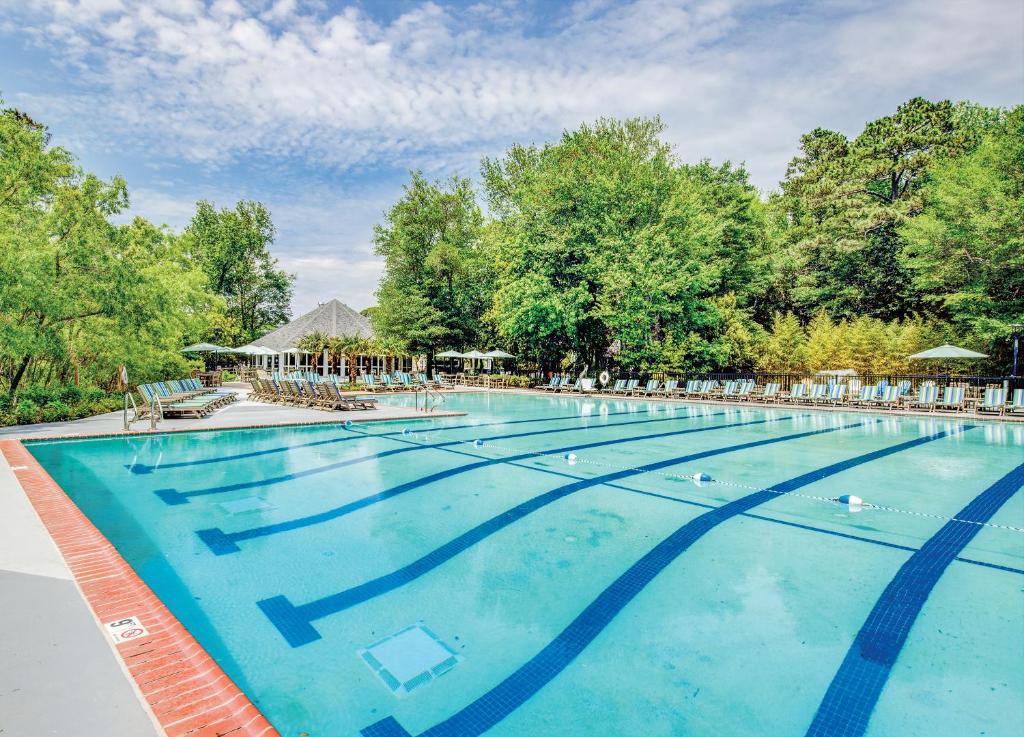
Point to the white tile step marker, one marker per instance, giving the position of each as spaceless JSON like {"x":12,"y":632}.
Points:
{"x":409,"y":659}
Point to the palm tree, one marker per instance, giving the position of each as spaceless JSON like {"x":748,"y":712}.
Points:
{"x":313,"y":343}
{"x":351,"y":347}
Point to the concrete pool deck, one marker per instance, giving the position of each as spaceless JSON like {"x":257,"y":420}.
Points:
{"x":242,"y":413}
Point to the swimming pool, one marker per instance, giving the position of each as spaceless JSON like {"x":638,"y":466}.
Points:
{"x":401,"y":579}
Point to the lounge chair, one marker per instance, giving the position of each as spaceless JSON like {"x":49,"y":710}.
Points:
{"x":669,"y":388}
{"x":817,"y":393}
{"x":587,"y":386}
{"x":994,"y":400}
{"x":706,"y":388}
{"x":573,"y":387}
{"x":865,"y":397}
{"x":889,"y":399}
{"x":769,"y":394}
{"x":195,"y":407}
{"x":551,"y":385}
{"x":615,"y":388}
{"x":927,"y":397}
{"x":952,"y":398}
{"x":729,"y":391}
{"x":354,"y":402}
{"x":650,"y":388}
{"x":797,"y":393}
{"x":692,"y":387}
{"x":835,"y":395}
{"x":627,"y":387}
{"x":745,"y":391}
{"x":1016,"y":407}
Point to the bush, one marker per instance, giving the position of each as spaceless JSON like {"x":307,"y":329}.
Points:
{"x":38,"y":394}
{"x":56,"y":411}
{"x":92,"y":394}
{"x":27,"y":412}
{"x":70,"y":395}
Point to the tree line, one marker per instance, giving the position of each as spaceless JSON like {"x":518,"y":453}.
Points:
{"x":604,"y":249}
{"x":82,"y":293}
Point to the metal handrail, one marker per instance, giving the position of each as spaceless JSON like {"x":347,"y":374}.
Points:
{"x":427,"y":393}
{"x":156,"y":411}
{"x":155,"y":405}
{"x":135,"y":411}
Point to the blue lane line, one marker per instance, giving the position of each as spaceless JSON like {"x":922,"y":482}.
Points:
{"x":222,"y":543}
{"x":142,"y":468}
{"x":851,"y":697}
{"x":787,"y":523}
{"x":294,"y":622}
{"x":514,"y":691}
{"x":173,"y":496}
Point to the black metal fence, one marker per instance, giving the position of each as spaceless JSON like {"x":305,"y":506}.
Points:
{"x":786,"y":380}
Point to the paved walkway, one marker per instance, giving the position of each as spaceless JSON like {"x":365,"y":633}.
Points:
{"x":58,"y":673}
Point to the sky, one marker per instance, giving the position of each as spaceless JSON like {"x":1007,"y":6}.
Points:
{"x":320,"y":109}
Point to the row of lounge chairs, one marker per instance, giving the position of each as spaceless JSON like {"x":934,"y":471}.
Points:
{"x":184,"y":398}
{"x":402,"y":381}
{"x":303,"y":393}
{"x":399,"y":381}
{"x":881,"y":396}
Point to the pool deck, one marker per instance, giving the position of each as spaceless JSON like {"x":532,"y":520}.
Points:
{"x":243,"y":413}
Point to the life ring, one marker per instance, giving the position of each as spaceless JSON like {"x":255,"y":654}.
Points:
{"x":603,"y":377}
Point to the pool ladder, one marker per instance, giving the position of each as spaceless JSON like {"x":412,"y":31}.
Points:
{"x":155,"y":413}
{"x":431,"y":398}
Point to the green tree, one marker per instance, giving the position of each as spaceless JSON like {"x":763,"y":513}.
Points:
{"x":80,"y":295}
{"x":233,"y":248}
{"x":966,"y":249}
{"x":431,"y":293}
{"x":847,"y":200}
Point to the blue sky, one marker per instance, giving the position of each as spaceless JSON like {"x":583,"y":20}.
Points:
{"x":319,"y":109}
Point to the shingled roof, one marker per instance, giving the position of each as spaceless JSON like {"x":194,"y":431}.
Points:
{"x":332,"y":318}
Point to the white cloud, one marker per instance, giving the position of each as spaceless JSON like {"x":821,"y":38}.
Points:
{"x":212,"y":85}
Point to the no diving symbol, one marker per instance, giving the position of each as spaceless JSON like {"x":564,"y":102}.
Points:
{"x":123,"y":630}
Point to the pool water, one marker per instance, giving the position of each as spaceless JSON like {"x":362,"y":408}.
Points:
{"x":548,"y":566}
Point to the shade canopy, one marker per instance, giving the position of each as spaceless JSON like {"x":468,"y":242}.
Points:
{"x":448,"y":354}
{"x":475,"y":354}
{"x":293,"y":350}
{"x":255,"y":350}
{"x":206,"y":348}
{"x":947,"y":351}
{"x":498,"y":354}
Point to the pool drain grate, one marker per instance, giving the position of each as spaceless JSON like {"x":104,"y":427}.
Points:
{"x":409,"y":659}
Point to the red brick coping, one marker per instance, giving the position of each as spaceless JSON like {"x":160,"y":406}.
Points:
{"x":186,"y":690}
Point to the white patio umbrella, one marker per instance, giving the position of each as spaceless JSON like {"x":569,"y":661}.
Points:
{"x":449,"y":354}
{"x":475,"y":355}
{"x":947,"y":351}
{"x":206,"y":348}
{"x":498,"y":354}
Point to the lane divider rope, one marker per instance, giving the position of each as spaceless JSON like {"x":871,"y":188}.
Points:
{"x":415,"y":437}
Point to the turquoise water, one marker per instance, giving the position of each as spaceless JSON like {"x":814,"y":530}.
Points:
{"x":611,"y":595}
